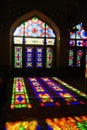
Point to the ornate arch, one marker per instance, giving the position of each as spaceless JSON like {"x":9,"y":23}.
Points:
{"x":42,"y":17}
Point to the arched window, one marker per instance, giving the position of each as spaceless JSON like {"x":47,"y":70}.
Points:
{"x":33,"y":43}
{"x":78,"y":46}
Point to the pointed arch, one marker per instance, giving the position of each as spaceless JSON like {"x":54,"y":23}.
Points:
{"x":45,"y":19}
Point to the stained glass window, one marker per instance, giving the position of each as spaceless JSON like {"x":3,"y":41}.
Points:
{"x":39,"y":57}
{"x":49,"y":31}
{"x":18,"y":57}
{"x":81,"y":43}
{"x":34,"y":41}
{"x":80,"y":34}
{"x":35,"y":27}
{"x":28,"y":39}
{"x":79,"y":55}
{"x":78,"y":43}
{"x":29,"y":57}
{"x":72,"y":42}
{"x":18,"y":40}
{"x":19,"y":30}
{"x":72,"y":35}
{"x":71,"y":57}
{"x":49,"y":57}
{"x":50,"y":41}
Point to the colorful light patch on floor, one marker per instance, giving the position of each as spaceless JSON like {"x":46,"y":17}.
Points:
{"x":44,"y":97}
{"x":64,"y":123}
{"x":69,"y":98}
{"x":20,"y":98}
{"x":67,"y":123}
{"x":70,"y":87}
{"x":22,"y":125}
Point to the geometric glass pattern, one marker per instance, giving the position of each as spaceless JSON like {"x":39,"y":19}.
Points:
{"x":80,"y":33}
{"x":79,"y":56}
{"x":19,"y":30}
{"x":34,"y":41}
{"x":82,"y":43}
{"x":71,"y":57}
{"x":34,"y":28}
{"x":20,"y":98}
{"x":78,"y":40}
{"x":49,"y":57}
{"x":50,"y":41}
{"x":29,"y":57}
{"x":33,"y":32}
{"x":69,"y":98}
{"x":49,"y":32}
{"x":72,"y":42}
{"x":44,"y":97}
{"x":39,"y":57}
{"x":72,"y":35}
{"x":18,"y":40}
{"x":18,"y":57}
